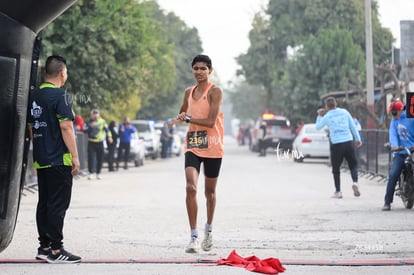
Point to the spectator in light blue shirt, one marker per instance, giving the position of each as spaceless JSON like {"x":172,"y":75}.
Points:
{"x":344,"y":137}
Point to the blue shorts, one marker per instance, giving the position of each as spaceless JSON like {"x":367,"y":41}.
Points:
{"x":211,"y":165}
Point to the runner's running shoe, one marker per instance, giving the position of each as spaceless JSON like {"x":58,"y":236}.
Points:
{"x":193,"y":246}
{"x":207,"y":243}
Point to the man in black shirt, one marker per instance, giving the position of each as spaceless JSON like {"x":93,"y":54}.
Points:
{"x":55,"y":156}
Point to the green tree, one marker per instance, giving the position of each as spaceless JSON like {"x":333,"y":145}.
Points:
{"x":293,"y":21}
{"x":319,"y":67}
{"x":186,"y":44}
{"x":258,"y":64}
{"x":118,"y":56}
{"x":247,"y":100}
{"x":290,"y":24}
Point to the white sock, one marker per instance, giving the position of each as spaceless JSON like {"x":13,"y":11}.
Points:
{"x":194,"y":233}
{"x":208,"y":228}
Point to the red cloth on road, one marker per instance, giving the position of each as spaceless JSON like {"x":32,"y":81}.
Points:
{"x":253,"y":263}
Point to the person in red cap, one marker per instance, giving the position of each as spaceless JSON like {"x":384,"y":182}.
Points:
{"x":401,"y":134}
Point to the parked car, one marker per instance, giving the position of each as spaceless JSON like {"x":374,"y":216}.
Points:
{"x":177,"y":146}
{"x":279,"y":133}
{"x":148,"y":133}
{"x":310,"y":143}
{"x":181,"y":130}
{"x":136,"y":154}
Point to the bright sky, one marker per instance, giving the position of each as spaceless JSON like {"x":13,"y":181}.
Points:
{"x":223,"y":25}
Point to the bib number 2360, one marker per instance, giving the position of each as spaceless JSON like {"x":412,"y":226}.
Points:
{"x":197,"y":139}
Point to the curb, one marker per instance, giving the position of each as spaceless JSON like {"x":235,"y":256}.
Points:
{"x":206,"y":261}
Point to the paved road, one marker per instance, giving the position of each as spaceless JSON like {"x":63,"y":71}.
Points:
{"x":268,"y":207}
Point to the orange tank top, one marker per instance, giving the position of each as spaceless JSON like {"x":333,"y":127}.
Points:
{"x":204,"y":141}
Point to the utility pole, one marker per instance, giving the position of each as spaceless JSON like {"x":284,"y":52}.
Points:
{"x":369,"y":63}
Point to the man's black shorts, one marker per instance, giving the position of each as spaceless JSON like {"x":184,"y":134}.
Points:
{"x":211,"y":165}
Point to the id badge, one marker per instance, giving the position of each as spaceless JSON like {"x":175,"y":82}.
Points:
{"x":197,"y":139}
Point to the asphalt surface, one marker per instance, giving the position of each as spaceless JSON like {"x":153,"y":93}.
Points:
{"x":134,"y":221}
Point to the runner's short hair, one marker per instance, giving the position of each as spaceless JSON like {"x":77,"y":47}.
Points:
{"x":202,"y":58}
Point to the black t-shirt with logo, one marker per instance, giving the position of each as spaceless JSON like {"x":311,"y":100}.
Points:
{"x":48,"y":106}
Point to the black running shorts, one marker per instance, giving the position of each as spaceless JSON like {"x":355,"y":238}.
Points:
{"x":211,"y":165}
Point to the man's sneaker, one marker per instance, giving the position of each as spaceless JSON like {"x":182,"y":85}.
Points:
{"x":207,"y":243}
{"x":337,"y":195}
{"x":386,"y":207}
{"x":98,"y":176}
{"x":42,"y":253}
{"x":90,"y":176}
{"x":356,"y":190}
{"x":193,"y":246}
{"x":63,"y":257}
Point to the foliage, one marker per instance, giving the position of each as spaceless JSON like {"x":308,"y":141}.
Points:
{"x":320,"y":67}
{"x":246,"y":100}
{"x":293,"y":85}
{"x":121,"y":56}
{"x":186,"y":44}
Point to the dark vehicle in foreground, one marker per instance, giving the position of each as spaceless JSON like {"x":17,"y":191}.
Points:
{"x":405,"y":184}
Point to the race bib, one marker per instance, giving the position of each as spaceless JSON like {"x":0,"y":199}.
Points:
{"x":197,"y":139}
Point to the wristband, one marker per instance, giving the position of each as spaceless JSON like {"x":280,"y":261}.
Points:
{"x":187,"y":118}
